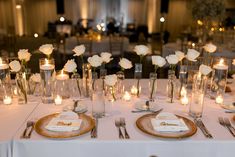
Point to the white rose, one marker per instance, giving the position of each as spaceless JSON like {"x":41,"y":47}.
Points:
{"x":125,"y":63}
{"x":192,"y":55}
{"x":141,"y":50}
{"x":158,"y":60}
{"x":172,"y":59}
{"x":233,"y":76}
{"x":211,"y":48}
{"x":79,"y":50}
{"x":233,"y":62}
{"x":23,"y":54}
{"x":204,"y":69}
{"x":180,"y":55}
{"x":106,"y":57}
{"x":70,"y":66}
{"x":36,"y":78}
{"x":110,"y":80}
{"x":15,"y":66}
{"x":95,"y":61}
{"x":46,"y":49}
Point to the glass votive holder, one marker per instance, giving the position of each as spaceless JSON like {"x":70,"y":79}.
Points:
{"x":58,"y":100}
{"x":7,"y":100}
{"x":61,"y":86}
{"x":219,"y":78}
{"x":47,"y":67}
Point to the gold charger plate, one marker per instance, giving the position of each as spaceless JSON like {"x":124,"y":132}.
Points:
{"x":144,"y":124}
{"x":86,"y":126}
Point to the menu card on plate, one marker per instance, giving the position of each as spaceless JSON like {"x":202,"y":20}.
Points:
{"x":64,"y":122}
{"x":168,"y":122}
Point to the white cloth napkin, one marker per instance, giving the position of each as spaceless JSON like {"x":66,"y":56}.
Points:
{"x":168,"y":122}
{"x":64,"y":122}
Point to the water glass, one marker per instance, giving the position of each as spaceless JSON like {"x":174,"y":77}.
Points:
{"x":98,"y":104}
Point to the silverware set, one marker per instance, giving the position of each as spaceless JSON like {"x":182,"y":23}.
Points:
{"x":121,"y":123}
{"x":95,"y":129}
{"x":202,"y":127}
{"x":226,"y":123}
{"x":28,"y":130}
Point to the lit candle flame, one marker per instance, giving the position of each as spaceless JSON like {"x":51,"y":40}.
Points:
{"x":46,"y":61}
{"x":183,"y":91}
{"x":221,"y":62}
{"x":0,"y":60}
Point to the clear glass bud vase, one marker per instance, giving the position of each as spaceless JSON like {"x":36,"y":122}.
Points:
{"x":75,"y":86}
{"x":198,"y":94}
{"x":87,"y":79}
{"x":21,"y":83}
{"x":171,"y":86}
{"x":152,"y":86}
{"x":120,"y":84}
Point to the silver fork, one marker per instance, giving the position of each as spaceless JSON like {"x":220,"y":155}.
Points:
{"x":118,"y":125}
{"x":28,"y":125}
{"x":123,"y":124}
{"x":224,"y":124}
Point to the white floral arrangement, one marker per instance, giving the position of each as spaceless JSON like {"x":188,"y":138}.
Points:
{"x":125,"y":64}
{"x":70,"y":66}
{"x":15,"y":66}
{"x":106,"y":57}
{"x":46,"y":49}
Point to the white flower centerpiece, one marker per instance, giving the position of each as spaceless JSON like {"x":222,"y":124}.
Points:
{"x":71,"y":67}
{"x":16,"y":67}
{"x":47,"y":67}
{"x":172,"y":61}
{"x":141,"y":51}
{"x":36,"y":80}
{"x":110,"y":81}
{"x":158,"y":62}
{"x":209,"y":48}
{"x":106,"y":58}
{"x":124,"y":64}
{"x":24,"y":57}
{"x":95,"y":61}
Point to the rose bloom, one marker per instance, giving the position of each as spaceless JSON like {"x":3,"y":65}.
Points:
{"x":70,"y":66}
{"x":158,"y":61}
{"x":125,"y":63}
{"x":141,"y":50}
{"x":79,"y":50}
{"x":23,"y":54}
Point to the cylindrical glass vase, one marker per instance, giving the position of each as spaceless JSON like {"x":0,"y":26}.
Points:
{"x":138,"y":76}
{"x":103,"y":73}
{"x":87,"y":79}
{"x":47,"y":67}
{"x":171,"y":86}
{"x":75,"y":86}
{"x":98,"y":104}
{"x":219,"y":79}
{"x":21,"y":83}
{"x":120,"y":84}
{"x":198,"y":94}
{"x":61,"y":85}
{"x":152,"y":86}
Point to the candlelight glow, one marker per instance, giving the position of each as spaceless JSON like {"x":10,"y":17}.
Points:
{"x":58,"y":100}
{"x":183,"y":91}
{"x":221,"y":62}
{"x":127,"y":96}
{"x":219,"y":99}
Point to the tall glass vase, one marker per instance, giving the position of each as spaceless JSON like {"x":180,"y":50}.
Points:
{"x":103,"y":73}
{"x":138,"y":76}
{"x":152,"y":86}
{"x":5,"y":85}
{"x":120,"y":84}
{"x":219,"y":79}
{"x":75,"y":86}
{"x":21,"y":83}
{"x":87,"y":79}
{"x":47,"y":68}
{"x":198,"y":94}
{"x":171,"y":86}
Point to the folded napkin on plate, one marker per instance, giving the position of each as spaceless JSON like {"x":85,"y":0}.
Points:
{"x":66,"y":121}
{"x":168,"y":122}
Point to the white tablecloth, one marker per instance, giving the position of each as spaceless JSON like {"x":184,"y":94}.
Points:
{"x":140,"y":145}
{"x":12,"y":117}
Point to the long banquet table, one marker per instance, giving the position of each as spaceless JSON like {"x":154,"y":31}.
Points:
{"x":108,"y":144}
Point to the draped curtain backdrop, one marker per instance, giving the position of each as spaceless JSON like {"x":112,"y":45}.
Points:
{"x":37,"y":13}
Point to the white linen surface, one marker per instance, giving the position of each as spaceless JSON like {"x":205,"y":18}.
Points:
{"x":12,"y":117}
{"x":140,"y":145}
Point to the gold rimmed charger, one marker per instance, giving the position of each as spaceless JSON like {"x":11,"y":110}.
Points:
{"x":86,"y":126}
{"x":144,"y":124}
